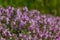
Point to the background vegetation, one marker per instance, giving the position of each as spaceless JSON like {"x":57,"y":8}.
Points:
{"x":44,"y":6}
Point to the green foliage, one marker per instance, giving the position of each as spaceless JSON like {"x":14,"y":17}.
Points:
{"x":45,"y":6}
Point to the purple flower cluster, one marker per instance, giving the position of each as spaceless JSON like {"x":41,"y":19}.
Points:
{"x":22,"y":24}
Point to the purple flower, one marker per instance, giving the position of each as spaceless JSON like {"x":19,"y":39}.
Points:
{"x":35,"y":38}
{"x":25,"y":9}
{"x":39,"y":25}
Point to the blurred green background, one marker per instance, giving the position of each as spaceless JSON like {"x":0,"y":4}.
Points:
{"x":44,"y":6}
